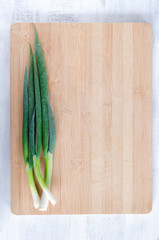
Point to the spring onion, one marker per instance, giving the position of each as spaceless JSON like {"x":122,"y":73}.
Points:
{"x":25,"y":138}
{"x":49,"y":160}
{"x":38,"y":127}
{"x":48,"y":139}
{"x":36,"y":155}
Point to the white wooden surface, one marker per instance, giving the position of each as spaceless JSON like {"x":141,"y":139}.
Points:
{"x":94,"y":227}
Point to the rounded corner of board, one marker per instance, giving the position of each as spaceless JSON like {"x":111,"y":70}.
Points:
{"x":149,"y":210}
{"x":14,"y":212}
{"x":13,"y":26}
{"x":149,"y":27}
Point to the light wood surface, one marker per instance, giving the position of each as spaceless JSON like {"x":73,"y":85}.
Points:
{"x":100,"y":90}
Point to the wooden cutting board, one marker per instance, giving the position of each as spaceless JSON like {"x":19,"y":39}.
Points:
{"x":100,"y":86}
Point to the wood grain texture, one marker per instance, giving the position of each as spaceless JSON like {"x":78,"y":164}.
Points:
{"x":100,"y":91}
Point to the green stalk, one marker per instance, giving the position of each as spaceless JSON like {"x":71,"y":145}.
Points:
{"x":36,"y":157}
{"x":25,"y":119}
{"x":49,"y":161}
{"x":31,"y":98}
{"x":38,"y":110}
{"x":47,"y":179}
{"x":52,"y":134}
{"x":44,"y":93}
{"x":32,"y":186}
{"x":31,"y":86}
{"x":25,"y":141}
{"x":36,"y":163}
{"x":48,"y":146}
{"x":43,"y":185}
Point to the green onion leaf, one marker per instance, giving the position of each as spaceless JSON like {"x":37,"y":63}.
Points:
{"x":31,"y":97}
{"x":32,"y":139}
{"x":25,"y":119}
{"x":38,"y":110}
{"x":52,"y":131}
{"x":44,"y":93}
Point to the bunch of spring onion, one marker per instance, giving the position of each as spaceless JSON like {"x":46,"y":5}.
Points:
{"x":38,"y":127}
